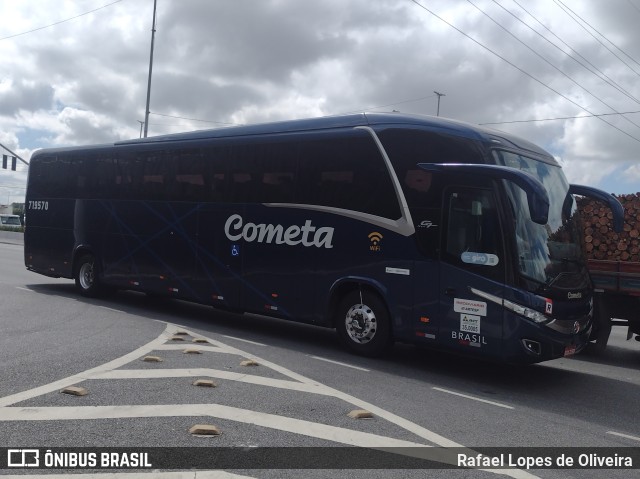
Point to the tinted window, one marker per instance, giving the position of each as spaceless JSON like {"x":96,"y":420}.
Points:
{"x":141,"y":175}
{"x":264,"y":170}
{"x":346,"y":171}
{"x":215,"y":173}
{"x":92,"y":175}
{"x":408,"y":147}
{"x":156,"y":179}
{"x":335,"y":169}
{"x":341,"y":170}
{"x":101,"y":175}
{"x":49,"y":177}
{"x":189,"y":175}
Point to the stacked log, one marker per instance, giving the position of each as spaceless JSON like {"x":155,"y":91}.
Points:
{"x":600,"y":241}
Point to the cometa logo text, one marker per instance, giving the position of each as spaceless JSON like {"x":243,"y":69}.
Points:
{"x":307,"y":235}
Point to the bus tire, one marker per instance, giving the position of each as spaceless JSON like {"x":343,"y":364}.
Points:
{"x":363,"y":324}
{"x":86,"y":276}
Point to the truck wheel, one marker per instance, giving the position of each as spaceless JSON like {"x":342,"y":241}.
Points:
{"x":86,"y":276}
{"x":363,"y":325}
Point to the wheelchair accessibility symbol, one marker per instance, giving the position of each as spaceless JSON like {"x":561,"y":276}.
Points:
{"x":235,"y":250}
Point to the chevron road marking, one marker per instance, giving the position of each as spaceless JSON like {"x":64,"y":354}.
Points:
{"x":296,"y":382}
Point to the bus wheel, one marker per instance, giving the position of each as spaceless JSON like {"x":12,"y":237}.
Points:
{"x":86,"y":276}
{"x":363,"y":324}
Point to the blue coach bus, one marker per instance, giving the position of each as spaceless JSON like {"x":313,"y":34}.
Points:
{"x":383,"y":226}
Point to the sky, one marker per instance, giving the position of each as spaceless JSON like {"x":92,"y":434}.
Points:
{"x":561,"y":73}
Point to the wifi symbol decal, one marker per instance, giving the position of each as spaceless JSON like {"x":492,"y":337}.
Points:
{"x":375,"y":239}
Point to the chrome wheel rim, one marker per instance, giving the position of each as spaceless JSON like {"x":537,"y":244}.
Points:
{"x":361,"y":323}
{"x":86,"y":275}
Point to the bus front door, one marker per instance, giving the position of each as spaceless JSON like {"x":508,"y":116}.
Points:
{"x":472,"y":263}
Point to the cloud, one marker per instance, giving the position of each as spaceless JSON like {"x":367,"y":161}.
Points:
{"x":631,"y":174}
{"x":247,"y":61}
{"x":23,"y":94}
{"x":85,"y":127}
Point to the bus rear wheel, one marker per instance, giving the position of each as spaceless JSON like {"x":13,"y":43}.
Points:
{"x":86,"y":276}
{"x":363,"y":324}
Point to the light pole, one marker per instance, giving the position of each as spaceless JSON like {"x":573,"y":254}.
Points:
{"x":153,"y":35}
{"x":439,"y":95}
{"x":141,"y":125}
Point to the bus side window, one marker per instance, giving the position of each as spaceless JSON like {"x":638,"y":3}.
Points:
{"x":346,"y":171}
{"x":103,"y":177}
{"x":78,"y":176}
{"x":213,"y":163}
{"x":263,"y":171}
{"x":154,"y":171}
{"x":280,"y":184}
{"x":189,"y":177}
{"x":418,"y":189}
{"x":50,"y":178}
{"x":86,"y":175}
{"x":279,"y":171}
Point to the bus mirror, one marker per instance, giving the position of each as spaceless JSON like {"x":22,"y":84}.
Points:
{"x":537,"y":197}
{"x":609,"y":200}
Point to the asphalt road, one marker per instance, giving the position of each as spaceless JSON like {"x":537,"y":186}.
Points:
{"x":298,"y":395}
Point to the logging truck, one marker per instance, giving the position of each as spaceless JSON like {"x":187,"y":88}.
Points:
{"x":614,"y":266}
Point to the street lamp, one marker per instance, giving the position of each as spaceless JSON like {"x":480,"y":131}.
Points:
{"x":153,"y":35}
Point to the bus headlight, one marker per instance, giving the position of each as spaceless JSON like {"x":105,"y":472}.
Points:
{"x":528,"y":313}
{"x":531,"y":314}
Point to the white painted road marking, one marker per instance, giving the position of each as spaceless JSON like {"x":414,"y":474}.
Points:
{"x":210,"y":373}
{"x":340,"y":364}
{"x":627,"y":436}
{"x":76,"y":378}
{"x":473,"y":398}
{"x":339,"y":435}
{"x":297,"y":382}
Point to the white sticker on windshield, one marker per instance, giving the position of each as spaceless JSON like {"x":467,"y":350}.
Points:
{"x":479,"y":258}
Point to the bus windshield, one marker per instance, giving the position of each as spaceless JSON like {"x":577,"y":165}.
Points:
{"x":548,"y":254}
